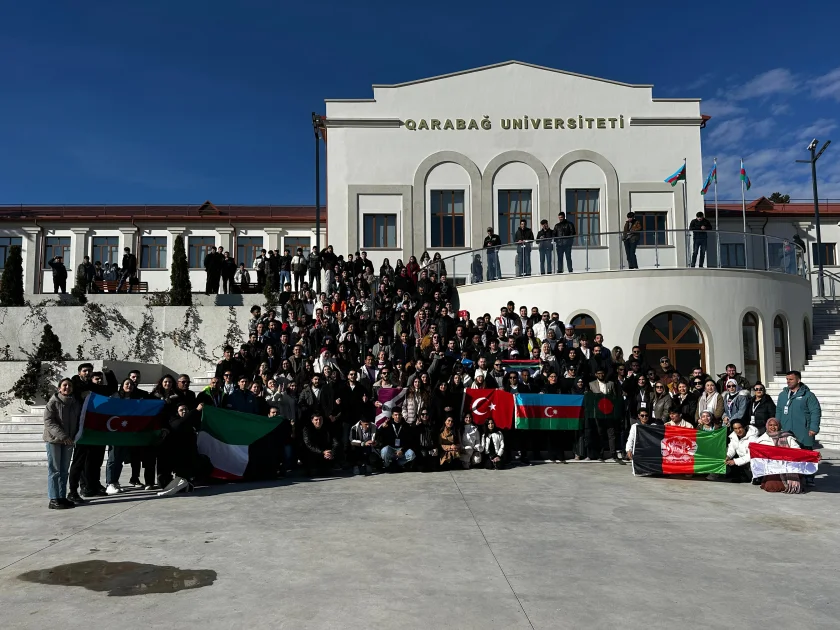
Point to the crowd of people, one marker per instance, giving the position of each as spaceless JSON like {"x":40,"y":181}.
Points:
{"x":89,"y":274}
{"x":319,"y":359}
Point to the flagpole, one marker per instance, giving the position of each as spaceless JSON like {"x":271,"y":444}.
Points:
{"x":717,"y":222}
{"x":685,"y":210}
{"x":744,"y":214}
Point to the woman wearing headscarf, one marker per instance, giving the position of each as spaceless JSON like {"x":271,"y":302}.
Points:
{"x":734,"y":403}
{"x":450,"y":443}
{"x":738,"y":451}
{"x":789,"y":483}
{"x":710,"y":400}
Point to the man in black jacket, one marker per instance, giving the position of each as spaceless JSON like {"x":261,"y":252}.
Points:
{"x":700,"y":228}
{"x":227,"y":271}
{"x":524,"y":238}
{"x":59,"y":274}
{"x":212,"y":267}
{"x":492,"y":243}
{"x":85,"y":274}
{"x":129,"y":269}
{"x":320,"y":447}
{"x":564,"y":232}
{"x":545,"y":238}
{"x":396,"y":441}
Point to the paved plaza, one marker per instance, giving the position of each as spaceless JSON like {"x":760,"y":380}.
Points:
{"x":550,"y":546}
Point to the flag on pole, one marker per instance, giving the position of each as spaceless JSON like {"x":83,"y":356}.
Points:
{"x":744,"y":177}
{"x":487,"y":404}
{"x":778,"y":460}
{"x":549,"y":411}
{"x":664,"y":450}
{"x":679,"y":175}
{"x":240,"y":445}
{"x":389,"y":398}
{"x":119,"y":421}
{"x":711,"y":178}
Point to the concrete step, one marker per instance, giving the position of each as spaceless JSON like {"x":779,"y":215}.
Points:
{"x":30,"y":446}
{"x":24,"y":417}
{"x":40,"y":456}
{"x":22,"y":437}
{"x":22,"y":427}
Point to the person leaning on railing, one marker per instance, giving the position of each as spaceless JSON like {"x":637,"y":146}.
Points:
{"x":630,"y":237}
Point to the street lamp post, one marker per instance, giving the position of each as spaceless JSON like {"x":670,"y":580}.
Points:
{"x":317,"y":125}
{"x":815,"y":155}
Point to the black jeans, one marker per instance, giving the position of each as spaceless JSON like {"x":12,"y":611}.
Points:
{"x":315,"y":278}
{"x":630,"y":250}
{"x":85,"y":468}
{"x":545,"y":259}
{"x":699,"y":246}
{"x":59,"y":286}
{"x":524,"y":267}
{"x":143,"y":456}
{"x":564,"y":250}
{"x":227,"y":284}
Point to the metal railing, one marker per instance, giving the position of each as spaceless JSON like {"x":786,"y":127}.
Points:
{"x":615,"y":251}
{"x":831,"y":286}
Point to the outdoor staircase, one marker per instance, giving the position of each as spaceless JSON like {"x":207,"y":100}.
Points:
{"x":822,"y":371}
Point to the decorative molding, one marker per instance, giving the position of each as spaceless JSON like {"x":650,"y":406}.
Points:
{"x":644,"y":121}
{"x":363,"y":123}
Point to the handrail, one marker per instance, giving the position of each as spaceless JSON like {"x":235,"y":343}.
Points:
{"x":834,"y":279}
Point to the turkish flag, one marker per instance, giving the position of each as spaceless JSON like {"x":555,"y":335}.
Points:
{"x":490,"y":403}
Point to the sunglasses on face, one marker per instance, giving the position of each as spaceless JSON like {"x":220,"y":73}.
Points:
{"x":730,"y":386}
{"x":759,"y":389}
{"x":659,"y":387}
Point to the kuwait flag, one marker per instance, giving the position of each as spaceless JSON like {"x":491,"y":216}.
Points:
{"x":119,"y":421}
{"x":485,"y":404}
{"x":679,"y":175}
{"x":549,"y":411}
{"x":390,"y":398}
{"x":662,"y":450}
{"x":240,"y":445}
{"x":744,"y":177}
{"x":532,"y":365}
{"x":778,"y":460}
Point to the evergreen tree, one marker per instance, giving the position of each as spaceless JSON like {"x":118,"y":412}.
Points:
{"x":26,"y":387}
{"x":78,"y":291}
{"x":180,"y":293}
{"x":271,"y":300}
{"x":50,"y":347}
{"x":11,"y":293}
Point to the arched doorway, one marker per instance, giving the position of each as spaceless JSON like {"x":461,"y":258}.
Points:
{"x":677,"y":336}
{"x":780,"y":351}
{"x":749,"y":332}
{"x":584,"y":324}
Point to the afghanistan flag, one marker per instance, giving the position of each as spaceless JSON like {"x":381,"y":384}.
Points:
{"x":390,"y":398}
{"x":744,"y":177}
{"x":486,"y":404}
{"x":240,"y":445}
{"x":778,"y":460}
{"x":549,"y":411}
{"x":679,"y":175}
{"x":711,"y":178}
{"x":663,"y":450}
{"x":603,"y":407}
{"x":119,"y":421}
{"x":532,"y":365}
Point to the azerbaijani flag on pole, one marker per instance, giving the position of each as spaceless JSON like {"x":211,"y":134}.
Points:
{"x":679,"y":175}
{"x":119,"y":421}
{"x":778,"y":460}
{"x":664,"y":450}
{"x":711,"y":178}
{"x":240,"y":445}
{"x":548,"y":411}
{"x":744,"y":177}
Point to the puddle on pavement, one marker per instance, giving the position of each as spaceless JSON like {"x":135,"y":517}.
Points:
{"x":122,"y":578}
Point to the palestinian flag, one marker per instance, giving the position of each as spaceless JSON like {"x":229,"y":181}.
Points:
{"x":711,"y":178}
{"x":240,"y":445}
{"x":390,"y":398}
{"x":603,"y":407}
{"x":778,"y":460}
{"x":679,"y":175}
{"x":532,"y":365}
{"x":119,"y":421}
{"x":744,"y":177}
{"x":549,"y":411}
{"x":662,"y":450}
{"x":485,"y":404}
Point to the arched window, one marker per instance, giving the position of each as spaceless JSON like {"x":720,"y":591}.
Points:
{"x":749,"y":331}
{"x":677,"y":336}
{"x":780,"y":352}
{"x":584,"y":324}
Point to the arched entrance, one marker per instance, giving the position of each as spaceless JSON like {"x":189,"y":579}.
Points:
{"x":677,"y":336}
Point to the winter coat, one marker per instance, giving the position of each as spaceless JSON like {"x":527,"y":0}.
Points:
{"x":703,"y":404}
{"x":356,"y":433}
{"x":59,"y":271}
{"x":739,"y":448}
{"x":801,"y":415}
{"x":61,"y":418}
{"x":243,"y":401}
{"x":471,"y":439}
{"x":761,"y":412}
{"x":498,"y":441}
{"x":317,"y":441}
{"x":766,"y":439}
{"x":661,"y":406}
{"x":687,"y":407}
{"x":734,"y":406}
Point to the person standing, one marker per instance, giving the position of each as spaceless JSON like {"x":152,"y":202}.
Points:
{"x":260,"y":268}
{"x":545,"y":238}
{"x":299,"y":266}
{"x":285,"y":264}
{"x":700,"y":228}
{"x":630,"y":237}
{"x":800,"y":413}
{"x":61,"y":422}
{"x":85,"y":274}
{"x":524,"y":238}
{"x":129,"y":269}
{"x":59,"y":274}
{"x":564,"y":232}
{"x":601,"y":432}
{"x":314,"y":265}
{"x":492,"y":243}
{"x":228,"y":271}
{"x":210,"y":268}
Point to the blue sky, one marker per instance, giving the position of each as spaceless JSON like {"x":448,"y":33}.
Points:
{"x":177,"y":102}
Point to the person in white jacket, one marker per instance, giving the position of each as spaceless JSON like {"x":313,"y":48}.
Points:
{"x":738,"y":451}
{"x":494,"y":445}
{"x":471,"y":442}
{"x":644,"y":418}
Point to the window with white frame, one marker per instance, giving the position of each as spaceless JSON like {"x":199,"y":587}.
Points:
{"x":379,"y":231}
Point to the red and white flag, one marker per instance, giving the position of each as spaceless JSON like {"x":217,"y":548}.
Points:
{"x":778,"y":460}
{"x":484,"y":404}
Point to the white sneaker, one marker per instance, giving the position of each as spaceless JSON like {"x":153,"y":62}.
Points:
{"x":113,"y":488}
{"x":174,"y":487}
{"x":356,"y":470}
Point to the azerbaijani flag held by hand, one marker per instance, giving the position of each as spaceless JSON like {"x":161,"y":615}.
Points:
{"x":744,"y":177}
{"x":549,"y":411}
{"x":778,"y":460}
{"x":664,"y":450}
{"x":711,"y":178}
{"x":109,"y":421}
{"x":240,"y":445}
{"x":679,"y":175}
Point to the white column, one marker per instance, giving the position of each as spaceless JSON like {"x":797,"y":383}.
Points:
{"x":128,"y":238}
{"x":170,"y":244}
{"x":31,"y":263}
{"x":273,"y":237}
{"x":79,"y":252}
{"x":226,"y":237}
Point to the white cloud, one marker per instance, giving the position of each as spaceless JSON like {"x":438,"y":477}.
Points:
{"x":775,"y":81}
{"x":699,"y":82}
{"x":827,"y":85}
{"x":778,"y":109}
{"x":728,"y":133}
{"x":720,"y":108}
{"x":819,"y":127}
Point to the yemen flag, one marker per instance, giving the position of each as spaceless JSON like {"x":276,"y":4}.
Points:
{"x":744,"y":177}
{"x":603,"y":407}
{"x":549,"y":411}
{"x":485,"y":404}
{"x":679,"y":175}
{"x":662,"y":450}
{"x":532,"y":365}
{"x":119,"y":421}
{"x":778,"y":460}
{"x":711,"y":178}
{"x":240,"y":445}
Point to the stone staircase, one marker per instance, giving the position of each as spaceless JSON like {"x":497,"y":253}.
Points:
{"x":822,"y":371}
